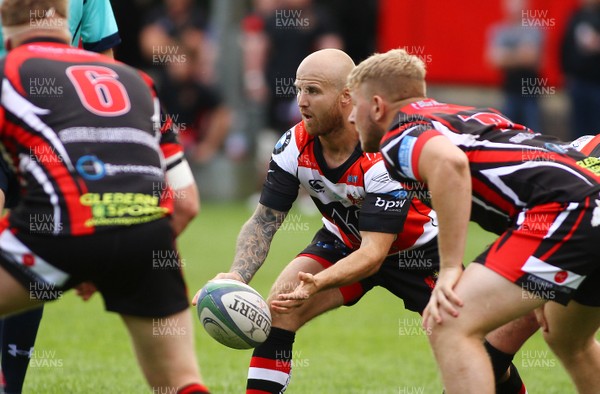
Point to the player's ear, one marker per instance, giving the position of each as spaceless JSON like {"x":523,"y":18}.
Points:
{"x":377,"y":107}
{"x":345,"y":98}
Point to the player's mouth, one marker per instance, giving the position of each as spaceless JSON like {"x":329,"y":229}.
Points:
{"x":306,"y":117}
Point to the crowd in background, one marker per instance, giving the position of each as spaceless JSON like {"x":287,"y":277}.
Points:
{"x":180,"y":44}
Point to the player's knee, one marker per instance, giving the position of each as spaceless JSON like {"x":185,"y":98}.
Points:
{"x":566,"y":345}
{"x":451,"y":331}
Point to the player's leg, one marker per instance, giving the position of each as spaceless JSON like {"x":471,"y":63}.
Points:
{"x":570,"y":332}
{"x":271,"y":362}
{"x":490,"y":301}
{"x":414,"y":287}
{"x":165,"y":350}
{"x":502,"y":344}
{"x":14,"y":297}
{"x":18,"y":337}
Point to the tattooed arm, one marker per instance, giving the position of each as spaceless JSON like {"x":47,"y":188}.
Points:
{"x":254,"y":242}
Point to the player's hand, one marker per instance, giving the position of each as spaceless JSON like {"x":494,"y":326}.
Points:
{"x":443,"y":297}
{"x":285,"y":303}
{"x":85,"y":290}
{"x":222,"y":275}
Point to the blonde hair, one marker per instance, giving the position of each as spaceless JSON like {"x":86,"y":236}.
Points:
{"x":21,"y":12}
{"x":395,"y":74}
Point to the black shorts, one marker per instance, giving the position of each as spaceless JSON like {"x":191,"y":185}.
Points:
{"x":136,"y":269}
{"x":409,"y":275}
{"x":552,"y":252}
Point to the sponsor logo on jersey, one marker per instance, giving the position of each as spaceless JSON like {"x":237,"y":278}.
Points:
{"x":405,"y":151}
{"x":110,"y":209}
{"x":90,"y":167}
{"x":590,"y":163}
{"x":352,"y":179}
{"x":580,"y":142}
{"x":317,"y":185}
{"x":283,"y":142}
{"x":552,"y":274}
{"x":391,"y":204}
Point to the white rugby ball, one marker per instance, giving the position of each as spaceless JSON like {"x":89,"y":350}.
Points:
{"x":234,"y":313}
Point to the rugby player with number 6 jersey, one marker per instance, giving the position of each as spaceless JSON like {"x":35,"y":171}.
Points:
{"x":371,"y":225}
{"x":83,"y":134}
{"x":540,"y":195}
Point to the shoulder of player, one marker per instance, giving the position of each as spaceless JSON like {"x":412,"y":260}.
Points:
{"x":301,"y":135}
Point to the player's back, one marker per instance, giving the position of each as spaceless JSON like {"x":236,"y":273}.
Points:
{"x":81,"y":130}
{"x":512,"y":167}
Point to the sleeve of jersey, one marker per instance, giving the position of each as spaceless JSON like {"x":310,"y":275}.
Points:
{"x":99,"y":30}
{"x":384,"y":212}
{"x":280,"y":189}
{"x":402,"y":148}
{"x":179,"y":173}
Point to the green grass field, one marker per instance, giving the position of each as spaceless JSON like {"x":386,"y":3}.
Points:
{"x":373,"y":347}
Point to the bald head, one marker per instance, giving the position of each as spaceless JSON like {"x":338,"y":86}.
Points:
{"x":330,"y":66}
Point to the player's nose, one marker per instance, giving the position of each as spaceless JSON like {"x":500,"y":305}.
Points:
{"x":352,"y":116}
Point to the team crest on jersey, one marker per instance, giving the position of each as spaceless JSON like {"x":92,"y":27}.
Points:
{"x":283,"y":142}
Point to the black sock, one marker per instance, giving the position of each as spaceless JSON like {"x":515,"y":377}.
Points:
{"x":271,"y":363}
{"x":500,"y":363}
{"x":514,"y":384}
{"x":18,"y":338}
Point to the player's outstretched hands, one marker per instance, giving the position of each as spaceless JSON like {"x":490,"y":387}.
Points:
{"x":443,"y":297}
{"x":285,"y":303}
{"x":222,"y":275}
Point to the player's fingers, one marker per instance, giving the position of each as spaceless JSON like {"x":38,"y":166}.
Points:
{"x":284,"y":306}
{"x":433,"y":311}
{"x":295,"y":295}
{"x":425,"y":317}
{"x":452,"y":297}
{"x":228,"y":275}
{"x":445,"y":304}
{"x":195,"y":299}
{"x":305,"y":277}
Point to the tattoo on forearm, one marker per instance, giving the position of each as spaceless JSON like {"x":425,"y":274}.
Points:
{"x":254,"y":241}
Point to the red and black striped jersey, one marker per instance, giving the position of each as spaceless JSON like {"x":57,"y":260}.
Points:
{"x":83,"y":133}
{"x":512,"y":167}
{"x":357,"y":196}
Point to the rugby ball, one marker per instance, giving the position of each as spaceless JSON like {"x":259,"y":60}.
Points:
{"x":234,"y":313}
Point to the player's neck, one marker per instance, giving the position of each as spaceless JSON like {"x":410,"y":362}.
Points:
{"x":338,"y":146}
{"x":396,"y":106}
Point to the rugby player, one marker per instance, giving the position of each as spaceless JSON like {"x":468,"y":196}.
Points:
{"x":540,"y":197}
{"x":62,"y":153}
{"x":369,"y":222}
{"x":93,"y":26}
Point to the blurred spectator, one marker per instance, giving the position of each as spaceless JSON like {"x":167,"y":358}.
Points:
{"x":357,"y":21}
{"x":516,"y":49}
{"x":281,"y":34}
{"x":179,"y":25}
{"x":197,"y":110}
{"x":580,"y":59}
